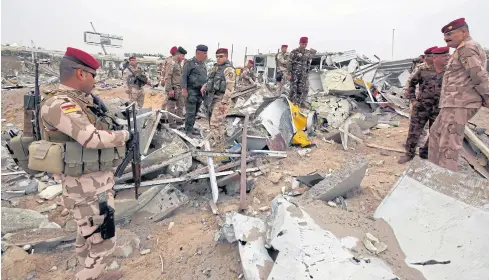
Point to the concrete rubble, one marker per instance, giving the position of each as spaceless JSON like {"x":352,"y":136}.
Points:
{"x":412,"y":209}
{"x":16,"y":219}
{"x":290,"y":245}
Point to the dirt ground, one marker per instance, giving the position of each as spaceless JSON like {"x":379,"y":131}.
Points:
{"x":188,"y":249}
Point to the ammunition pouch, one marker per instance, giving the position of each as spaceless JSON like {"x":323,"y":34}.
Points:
{"x":46,"y":156}
{"x":18,"y":148}
{"x":71,"y":159}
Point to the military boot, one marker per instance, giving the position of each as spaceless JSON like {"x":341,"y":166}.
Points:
{"x":405,"y":158}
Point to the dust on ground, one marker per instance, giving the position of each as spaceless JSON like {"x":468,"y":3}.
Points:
{"x":188,"y":249}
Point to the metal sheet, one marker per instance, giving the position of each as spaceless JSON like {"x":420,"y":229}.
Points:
{"x":277,"y":119}
{"x":440,"y":215}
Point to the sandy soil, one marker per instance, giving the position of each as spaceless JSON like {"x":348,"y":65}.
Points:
{"x":189,"y":251}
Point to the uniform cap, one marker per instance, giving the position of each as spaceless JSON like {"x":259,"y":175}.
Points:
{"x":441,"y":50}
{"x":285,"y":46}
{"x":303,"y":40}
{"x":173,"y":50}
{"x":81,"y":57}
{"x":202,"y":48}
{"x":222,"y":50}
{"x":453,"y":25}
{"x":182,"y":50}
{"x":251,"y":61}
{"x":429,"y":50}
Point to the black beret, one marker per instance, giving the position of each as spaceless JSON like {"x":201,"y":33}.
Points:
{"x":202,"y":48}
{"x":181,"y":50}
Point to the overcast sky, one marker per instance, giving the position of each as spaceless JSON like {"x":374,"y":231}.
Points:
{"x":154,"y":26}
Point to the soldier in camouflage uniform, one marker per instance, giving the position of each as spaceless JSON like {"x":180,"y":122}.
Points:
{"x":136,"y":94}
{"x":66,"y":117}
{"x":465,"y":89}
{"x":173,"y":78}
{"x":425,"y":108}
{"x":298,"y":67}
{"x":167,"y":61}
{"x":221,"y":82}
{"x":247,"y":77}
{"x":282,"y":60}
{"x":194,"y":76}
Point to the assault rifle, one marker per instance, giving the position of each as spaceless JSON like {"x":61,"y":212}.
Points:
{"x":32,"y":102}
{"x":133,"y":153}
{"x":137,"y":79}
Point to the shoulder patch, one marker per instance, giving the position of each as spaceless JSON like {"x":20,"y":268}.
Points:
{"x":69,"y":108}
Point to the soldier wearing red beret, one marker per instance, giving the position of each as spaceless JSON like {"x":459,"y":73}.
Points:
{"x":247,"y":76}
{"x":165,"y":63}
{"x":220,"y":86}
{"x":282,"y":60}
{"x":425,"y":105}
{"x":298,"y":67}
{"x":465,"y":89}
{"x":66,"y":118}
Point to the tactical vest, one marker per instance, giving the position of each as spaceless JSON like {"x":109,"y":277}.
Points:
{"x":58,"y":153}
{"x":216,"y":82}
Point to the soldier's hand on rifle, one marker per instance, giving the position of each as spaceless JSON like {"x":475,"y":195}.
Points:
{"x":184,"y":92}
{"x":202,"y":90}
{"x":171,"y":93}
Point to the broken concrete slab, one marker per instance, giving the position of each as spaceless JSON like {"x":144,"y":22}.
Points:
{"x":153,"y":205}
{"x":42,"y":239}
{"x":307,"y":251}
{"x":432,"y":203}
{"x":250,"y":232}
{"x":51,"y":192}
{"x":340,"y":182}
{"x":16,"y":219}
{"x":16,"y":264}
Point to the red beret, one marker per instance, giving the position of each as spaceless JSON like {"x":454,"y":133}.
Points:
{"x":303,"y":40}
{"x":441,"y":50}
{"x":453,"y":25}
{"x":222,"y":50}
{"x":251,"y":61}
{"x":132,"y":57}
{"x":82,"y":57}
{"x":429,"y":50}
{"x":173,"y":50}
{"x":285,"y":46}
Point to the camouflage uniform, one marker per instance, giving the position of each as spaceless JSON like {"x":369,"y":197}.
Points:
{"x":194,"y":77}
{"x":227,"y":72}
{"x":282,"y":59}
{"x":247,"y":77}
{"x":167,"y":61}
{"x":63,"y":114}
{"x":173,"y":77}
{"x":426,"y":109}
{"x":298,"y":67}
{"x":465,"y":88}
{"x":135,"y":93}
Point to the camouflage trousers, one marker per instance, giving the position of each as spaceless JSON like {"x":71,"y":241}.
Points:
{"x":136,"y":95}
{"x":423,"y":112}
{"x":192,"y":106}
{"x":82,"y":204}
{"x":447,"y":136}
{"x":217,"y":119}
{"x":175,"y":106}
{"x":298,"y":88}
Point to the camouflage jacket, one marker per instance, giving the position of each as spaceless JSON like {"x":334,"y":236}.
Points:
{"x":299,"y":61}
{"x":247,"y":77}
{"x":62,"y":113}
{"x":128,"y":76}
{"x":425,"y":77}
{"x":282,"y":61}
{"x":173,"y":76}
{"x":466,"y":81}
